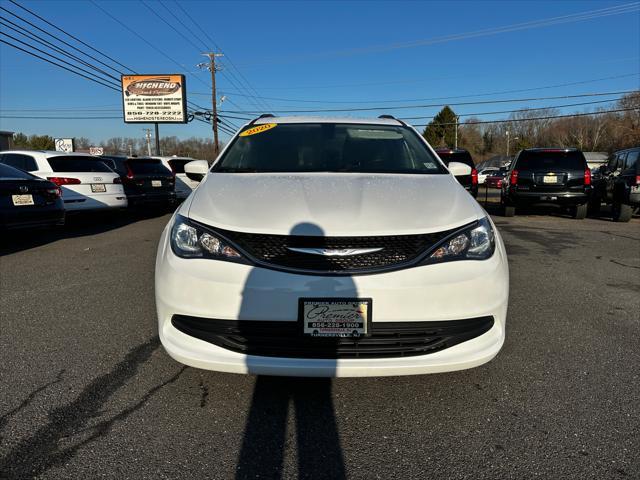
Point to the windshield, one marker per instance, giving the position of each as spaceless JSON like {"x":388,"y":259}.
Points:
{"x":71,"y":163}
{"x":551,"y":159}
{"x":328,"y":147}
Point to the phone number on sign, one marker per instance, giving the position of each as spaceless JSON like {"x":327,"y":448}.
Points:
{"x":335,"y":325}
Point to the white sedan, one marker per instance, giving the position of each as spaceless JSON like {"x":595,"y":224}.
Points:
{"x":86,"y":182}
{"x":330,"y":247}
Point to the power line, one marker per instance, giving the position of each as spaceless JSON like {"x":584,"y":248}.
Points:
{"x":520,"y":90}
{"x":479,"y":102}
{"x":602,"y":112}
{"x":38,"y":39}
{"x":520,"y":110}
{"x":58,"y":38}
{"x":575,"y":17}
{"x":56,"y":64}
{"x":250,"y":87}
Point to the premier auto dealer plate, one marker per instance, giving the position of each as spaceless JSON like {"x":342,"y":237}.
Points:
{"x":335,"y":317}
{"x":19,"y":200}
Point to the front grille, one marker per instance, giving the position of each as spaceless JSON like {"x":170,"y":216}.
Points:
{"x":285,"y":339}
{"x":397,"y":250}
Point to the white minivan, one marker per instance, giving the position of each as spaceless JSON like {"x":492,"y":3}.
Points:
{"x":331,"y":247}
{"x":86,"y":182}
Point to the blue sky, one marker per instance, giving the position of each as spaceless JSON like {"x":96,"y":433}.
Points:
{"x":315,"y":55}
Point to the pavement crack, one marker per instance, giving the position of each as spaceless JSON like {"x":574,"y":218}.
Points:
{"x":35,"y":455}
{"x":204,"y":393}
{"x":623,"y":264}
{"x":4,"y":419}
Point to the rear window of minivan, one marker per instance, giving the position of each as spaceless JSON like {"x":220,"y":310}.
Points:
{"x":546,"y":159}
{"x":76,"y":163}
{"x":148,"y":167}
{"x":462,"y":157}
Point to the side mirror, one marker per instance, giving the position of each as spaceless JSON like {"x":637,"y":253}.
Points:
{"x":459,"y":169}
{"x":196,"y":170}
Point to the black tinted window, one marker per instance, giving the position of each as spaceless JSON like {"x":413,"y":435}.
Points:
{"x":9,"y":172}
{"x":72,"y":163}
{"x":20,"y":161}
{"x":632,"y":161}
{"x":148,"y":167}
{"x":178,"y":165}
{"x":329,"y":147}
{"x":551,"y":159}
{"x":462,"y":157}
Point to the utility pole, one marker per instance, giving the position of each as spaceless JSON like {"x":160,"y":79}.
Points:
{"x":148,"y":137}
{"x":507,"y":132}
{"x":157,"y":140}
{"x":456,"y":135}
{"x":214,"y":103}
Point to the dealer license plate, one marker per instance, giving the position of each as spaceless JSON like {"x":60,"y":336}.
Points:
{"x":335,"y":317}
{"x":156,"y":183}
{"x":98,"y":188}
{"x":19,"y":200}
{"x":550,"y":179}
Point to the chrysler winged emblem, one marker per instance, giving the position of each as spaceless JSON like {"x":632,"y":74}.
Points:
{"x":335,"y":252}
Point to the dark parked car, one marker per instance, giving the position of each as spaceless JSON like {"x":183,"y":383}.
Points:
{"x":556,"y":177}
{"x":145,"y":180}
{"x":469,"y":182}
{"x":28,"y":201}
{"x":618,"y":184}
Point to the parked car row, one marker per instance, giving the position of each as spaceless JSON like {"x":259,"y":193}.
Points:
{"x":74,"y":182}
{"x":561,"y":178}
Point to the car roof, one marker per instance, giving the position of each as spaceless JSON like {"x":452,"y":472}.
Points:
{"x":314,"y":119}
{"x":49,"y":153}
{"x":550,"y":149}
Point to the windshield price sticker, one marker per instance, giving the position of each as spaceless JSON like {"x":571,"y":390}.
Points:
{"x":258,"y":129}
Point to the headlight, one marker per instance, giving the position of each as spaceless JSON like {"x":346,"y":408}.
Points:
{"x":477,"y":242}
{"x":190,"y":240}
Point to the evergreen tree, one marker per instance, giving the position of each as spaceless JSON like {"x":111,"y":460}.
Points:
{"x":441,"y":131}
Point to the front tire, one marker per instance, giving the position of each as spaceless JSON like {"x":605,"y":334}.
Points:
{"x":579,"y":212}
{"x":622,"y":212}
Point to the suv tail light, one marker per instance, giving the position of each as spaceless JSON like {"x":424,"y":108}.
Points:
{"x":587,"y":176}
{"x":129,"y":171}
{"x":513,"y":180}
{"x":474,"y":176}
{"x":637,"y":179}
{"x":64,"y":180}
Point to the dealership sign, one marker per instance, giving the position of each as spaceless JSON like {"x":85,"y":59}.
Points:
{"x":154,"y":99}
{"x":96,"y":150}
{"x":64,"y":145}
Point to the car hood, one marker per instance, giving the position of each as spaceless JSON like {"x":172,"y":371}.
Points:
{"x":332,"y":204}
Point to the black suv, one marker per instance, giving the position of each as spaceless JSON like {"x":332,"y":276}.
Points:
{"x":618,"y":184}
{"x":469,"y":182}
{"x":557,"y":177}
{"x":145,"y":180}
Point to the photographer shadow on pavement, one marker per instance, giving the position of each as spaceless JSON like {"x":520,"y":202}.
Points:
{"x":316,"y":444}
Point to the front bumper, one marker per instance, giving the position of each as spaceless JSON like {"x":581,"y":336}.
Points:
{"x":223,"y":290}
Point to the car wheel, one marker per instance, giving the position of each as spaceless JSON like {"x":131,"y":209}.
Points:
{"x":579,"y":212}
{"x":621,"y":212}
{"x":508,"y":210}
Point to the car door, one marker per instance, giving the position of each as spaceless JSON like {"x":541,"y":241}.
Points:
{"x":614,"y":174}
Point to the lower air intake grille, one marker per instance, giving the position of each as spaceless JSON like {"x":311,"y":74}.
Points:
{"x":285,"y":339}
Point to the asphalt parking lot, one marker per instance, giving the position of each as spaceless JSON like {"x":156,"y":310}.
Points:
{"x":88,"y":392}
